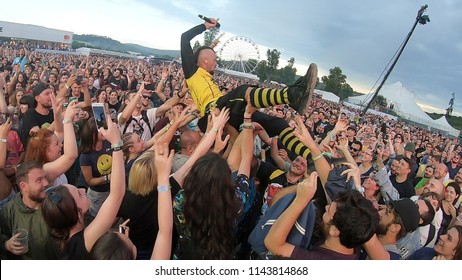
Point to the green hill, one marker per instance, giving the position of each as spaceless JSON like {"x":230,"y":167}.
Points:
{"x":106,"y":43}
{"x":454,"y":121}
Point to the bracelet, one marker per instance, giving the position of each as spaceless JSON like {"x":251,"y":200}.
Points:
{"x":163,"y":188}
{"x":106,"y":179}
{"x":67,"y":121}
{"x":179,"y":96}
{"x":246,"y":125}
{"x":67,"y":87}
{"x":214,"y":129}
{"x":3,"y":140}
{"x":118,"y":146}
{"x":247,"y":118}
{"x":318,"y":157}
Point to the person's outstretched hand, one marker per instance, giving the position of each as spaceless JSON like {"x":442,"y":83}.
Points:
{"x":112,"y":133}
{"x":221,"y":119}
{"x":302,"y":133}
{"x":307,"y":188}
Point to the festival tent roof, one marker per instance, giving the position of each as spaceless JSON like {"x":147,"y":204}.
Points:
{"x":446,"y":126}
{"x":327,"y":95}
{"x":402,"y":100}
{"x":405,"y":106}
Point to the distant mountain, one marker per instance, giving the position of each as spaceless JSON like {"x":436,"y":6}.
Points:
{"x":106,"y":43}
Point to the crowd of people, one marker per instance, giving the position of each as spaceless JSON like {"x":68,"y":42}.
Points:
{"x":188,"y":161}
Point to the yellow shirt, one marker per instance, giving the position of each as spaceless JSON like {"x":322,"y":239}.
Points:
{"x":203,"y":89}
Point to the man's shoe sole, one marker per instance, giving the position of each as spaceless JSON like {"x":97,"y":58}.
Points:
{"x":311,"y":77}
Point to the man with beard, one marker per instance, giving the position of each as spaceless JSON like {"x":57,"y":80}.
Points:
{"x":24,"y":212}
{"x":396,"y":219}
{"x":39,"y":117}
{"x":349,"y":221}
{"x":401,"y":181}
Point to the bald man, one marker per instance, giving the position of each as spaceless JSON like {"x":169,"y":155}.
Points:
{"x":188,"y":143}
{"x":199,"y":68}
{"x":441,"y":173}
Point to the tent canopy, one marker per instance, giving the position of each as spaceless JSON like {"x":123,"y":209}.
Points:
{"x":405,"y":106}
{"x":327,"y":95}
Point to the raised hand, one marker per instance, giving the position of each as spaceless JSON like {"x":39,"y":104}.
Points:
{"x":307,"y":188}
{"x":342,"y":143}
{"x":221,"y":119}
{"x":341,"y":125}
{"x":302,"y":133}
{"x":112,"y":133}
{"x":352,"y":173}
{"x":163,"y":161}
{"x":5,"y":128}
{"x":220,"y":143}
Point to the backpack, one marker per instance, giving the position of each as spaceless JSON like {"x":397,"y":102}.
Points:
{"x":144,"y":117}
{"x":300,"y":234}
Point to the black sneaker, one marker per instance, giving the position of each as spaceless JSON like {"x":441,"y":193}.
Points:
{"x":301,"y":91}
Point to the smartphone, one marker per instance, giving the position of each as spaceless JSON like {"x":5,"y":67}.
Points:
{"x":99,"y":115}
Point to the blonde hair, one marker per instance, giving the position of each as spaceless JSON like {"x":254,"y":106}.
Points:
{"x":143,"y":176}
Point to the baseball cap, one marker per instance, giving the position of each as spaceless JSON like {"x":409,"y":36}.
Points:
{"x":408,"y":211}
{"x":39,"y":88}
{"x":410,"y":147}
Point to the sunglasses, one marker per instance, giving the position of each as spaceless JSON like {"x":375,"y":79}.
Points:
{"x":146,"y":96}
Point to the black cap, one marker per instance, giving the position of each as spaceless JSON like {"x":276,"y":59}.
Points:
{"x":39,"y":88}
{"x":408,"y":211}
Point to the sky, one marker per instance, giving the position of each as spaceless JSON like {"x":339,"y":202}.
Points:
{"x":359,"y":36}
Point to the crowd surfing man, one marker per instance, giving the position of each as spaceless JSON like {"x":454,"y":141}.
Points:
{"x":199,"y":68}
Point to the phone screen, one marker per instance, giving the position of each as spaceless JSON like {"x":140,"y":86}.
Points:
{"x":100,"y":115}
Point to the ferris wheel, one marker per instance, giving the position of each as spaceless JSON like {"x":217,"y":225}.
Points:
{"x":239,"y":53}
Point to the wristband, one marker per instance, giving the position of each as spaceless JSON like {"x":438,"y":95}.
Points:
{"x":67,"y":121}
{"x":163,"y":188}
{"x":67,"y":87}
{"x":3,"y":140}
{"x":318,"y":157}
{"x":118,"y":146}
{"x":246,"y":125}
{"x":214,"y":129}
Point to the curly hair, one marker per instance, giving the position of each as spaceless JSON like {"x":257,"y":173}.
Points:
{"x":210,"y":207}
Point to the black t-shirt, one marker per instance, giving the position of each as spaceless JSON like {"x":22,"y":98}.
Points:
{"x":405,"y":189}
{"x":142,"y":212}
{"x":118,"y":84}
{"x":33,"y":118}
{"x":113,"y":110}
{"x":75,"y":247}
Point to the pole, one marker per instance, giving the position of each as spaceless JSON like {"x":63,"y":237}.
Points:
{"x":419,"y":15}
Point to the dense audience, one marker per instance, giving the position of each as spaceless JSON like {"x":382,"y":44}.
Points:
{"x":161,"y":178}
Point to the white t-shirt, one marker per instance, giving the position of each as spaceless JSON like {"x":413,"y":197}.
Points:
{"x":138,"y":125}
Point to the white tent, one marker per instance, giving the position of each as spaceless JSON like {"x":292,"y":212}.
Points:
{"x":405,"y":106}
{"x":327,"y":95}
{"x":445,"y":126}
